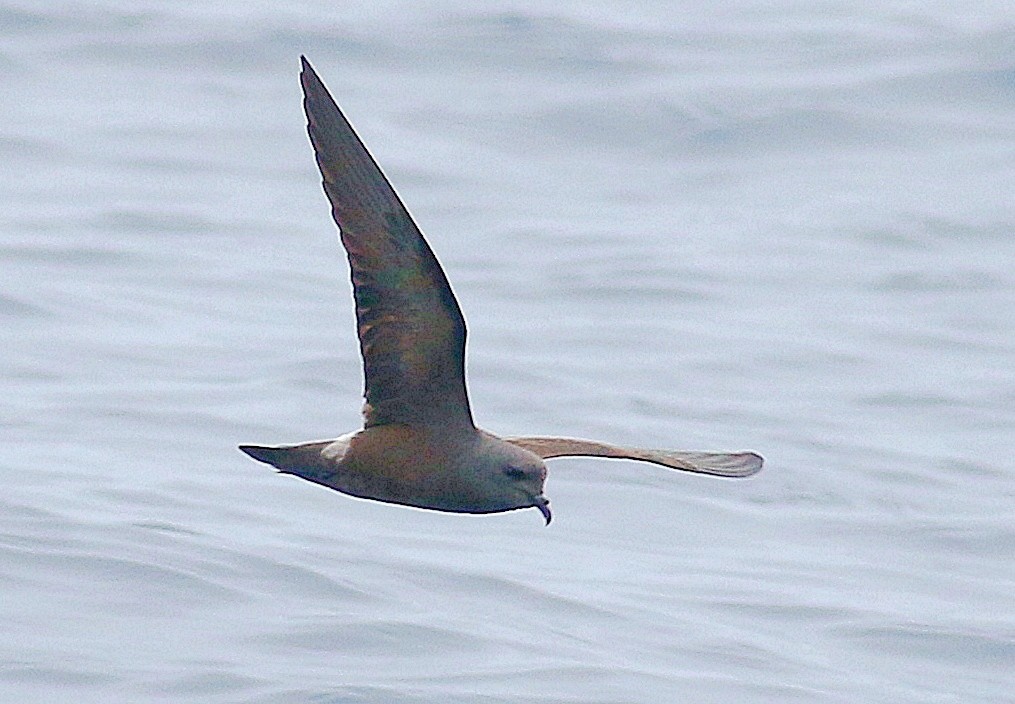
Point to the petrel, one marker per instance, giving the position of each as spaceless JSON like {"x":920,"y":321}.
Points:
{"x":419,"y":445}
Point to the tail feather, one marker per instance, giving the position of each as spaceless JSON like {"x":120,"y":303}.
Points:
{"x":306,"y":461}
{"x":303,"y":460}
{"x":275,"y":456}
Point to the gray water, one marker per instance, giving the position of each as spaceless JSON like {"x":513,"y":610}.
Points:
{"x":785,"y":227}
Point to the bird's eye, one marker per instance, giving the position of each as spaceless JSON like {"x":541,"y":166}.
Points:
{"x":515,"y":473}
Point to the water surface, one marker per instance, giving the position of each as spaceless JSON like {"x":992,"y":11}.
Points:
{"x":777,"y":227}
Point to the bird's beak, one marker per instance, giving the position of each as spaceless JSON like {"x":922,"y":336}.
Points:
{"x":543,"y":504}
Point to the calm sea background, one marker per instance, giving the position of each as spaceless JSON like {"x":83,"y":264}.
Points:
{"x":779,"y":226}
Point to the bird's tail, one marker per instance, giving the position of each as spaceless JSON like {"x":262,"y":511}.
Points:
{"x":302,"y":460}
{"x":275,"y":456}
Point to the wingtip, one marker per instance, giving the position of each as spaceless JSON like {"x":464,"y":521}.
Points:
{"x":753,"y":463}
{"x":313,"y":86}
{"x":734,"y":465}
{"x":308,"y":76}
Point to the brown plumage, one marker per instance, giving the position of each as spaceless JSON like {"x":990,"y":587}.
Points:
{"x":411,"y":330}
{"x":419,"y":446}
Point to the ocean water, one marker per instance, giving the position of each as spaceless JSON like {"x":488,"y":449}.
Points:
{"x":786,"y":227}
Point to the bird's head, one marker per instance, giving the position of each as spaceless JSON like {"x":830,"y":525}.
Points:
{"x":511,"y":477}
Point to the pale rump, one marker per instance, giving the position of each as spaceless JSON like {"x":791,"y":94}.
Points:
{"x":419,"y":446}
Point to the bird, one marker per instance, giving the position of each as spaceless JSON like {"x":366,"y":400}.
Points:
{"x":419,"y":445}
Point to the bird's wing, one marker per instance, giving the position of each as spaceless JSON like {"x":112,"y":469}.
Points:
{"x":720,"y":464}
{"x":411,"y":330}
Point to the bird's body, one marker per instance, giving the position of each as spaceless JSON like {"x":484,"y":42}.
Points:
{"x":419,"y":445}
{"x":418,"y":466}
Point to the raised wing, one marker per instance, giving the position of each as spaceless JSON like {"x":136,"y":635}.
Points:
{"x":719,"y":464}
{"x":411,"y":330}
